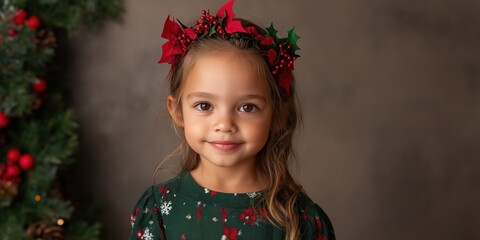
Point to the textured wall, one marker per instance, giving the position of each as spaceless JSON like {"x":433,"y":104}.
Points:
{"x":391,"y":100}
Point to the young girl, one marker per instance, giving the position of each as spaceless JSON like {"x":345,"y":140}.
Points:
{"x":233,"y":102}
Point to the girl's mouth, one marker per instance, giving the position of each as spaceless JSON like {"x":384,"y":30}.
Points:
{"x":225,"y":145}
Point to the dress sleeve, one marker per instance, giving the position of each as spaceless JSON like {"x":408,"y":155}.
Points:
{"x":145,"y":218}
{"x":317,"y":225}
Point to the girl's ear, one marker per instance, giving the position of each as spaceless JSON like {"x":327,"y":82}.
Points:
{"x":174,"y":112}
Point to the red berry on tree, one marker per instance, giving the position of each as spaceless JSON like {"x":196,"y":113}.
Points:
{"x":26,"y":161}
{"x":20,"y":17}
{"x":3,"y":170}
{"x":13,"y":171}
{"x":4,"y":120}
{"x":39,"y":85}
{"x":12,"y":32}
{"x":12,"y":155}
{"x":33,"y":22}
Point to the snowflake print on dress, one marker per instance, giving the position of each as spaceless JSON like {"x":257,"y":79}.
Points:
{"x":166,"y":207}
{"x":146,"y":210}
{"x":252,"y":194}
{"x":147,"y":235}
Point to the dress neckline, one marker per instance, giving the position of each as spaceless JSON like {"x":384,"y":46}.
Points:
{"x":194,"y":190}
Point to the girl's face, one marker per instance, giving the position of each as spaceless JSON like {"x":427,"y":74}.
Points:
{"x":226,"y":110}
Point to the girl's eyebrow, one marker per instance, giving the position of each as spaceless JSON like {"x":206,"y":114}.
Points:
{"x":200,"y":95}
{"x":211,"y":96}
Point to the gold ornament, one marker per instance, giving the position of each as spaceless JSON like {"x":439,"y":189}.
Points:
{"x":38,"y":198}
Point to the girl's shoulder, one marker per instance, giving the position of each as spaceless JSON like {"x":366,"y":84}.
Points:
{"x":314,"y":220}
{"x":157,"y":191}
{"x":145,"y":216}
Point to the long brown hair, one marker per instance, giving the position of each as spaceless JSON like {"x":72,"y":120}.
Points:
{"x":274,"y":159}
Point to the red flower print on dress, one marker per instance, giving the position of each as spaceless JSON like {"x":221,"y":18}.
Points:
{"x":183,"y":237}
{"x":224,"y":216}
{"x":200,"y":207}
{"x":248,"y":215}
{"x":263,"y":213}
{"x":139,"y":234}
{"x":318,"y":223}
{"x":305,"y":213}
{"x":229,"y":233}
{"x":134,"y":216}
{"x":163,"y":191}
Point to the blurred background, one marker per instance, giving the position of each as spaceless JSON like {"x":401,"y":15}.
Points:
{"x":390,"y":92}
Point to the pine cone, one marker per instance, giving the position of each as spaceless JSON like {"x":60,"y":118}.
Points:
{"x":8,"y":189}
{"x":37,"y":103}
{"x":40,"y":231}
{"x":45,"y":38}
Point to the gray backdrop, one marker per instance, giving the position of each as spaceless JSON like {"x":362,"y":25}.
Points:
{"x":391,"y":99}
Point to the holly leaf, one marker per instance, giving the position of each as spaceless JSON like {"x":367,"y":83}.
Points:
{"x":181,"y":24}
{"x":212,"y":31}
{"x":292,"y":39}
{"x":272,"y":32}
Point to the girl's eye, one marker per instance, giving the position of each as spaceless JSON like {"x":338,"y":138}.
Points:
{"x":248,"y":108}
{"x":203,"y":107}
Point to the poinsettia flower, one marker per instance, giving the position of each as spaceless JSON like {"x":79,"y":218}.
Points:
{"x":231,"y":26}
{"x":230,"y":233}
{"x":172,"y":31}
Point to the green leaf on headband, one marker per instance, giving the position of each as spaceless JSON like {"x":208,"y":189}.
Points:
{"x":181,"y":24}
{"x":292,"y":39}
{"x":272,"y":32}
{"x":212,"y":31}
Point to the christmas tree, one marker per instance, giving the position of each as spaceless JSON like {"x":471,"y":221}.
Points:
{"x":37,"y":129}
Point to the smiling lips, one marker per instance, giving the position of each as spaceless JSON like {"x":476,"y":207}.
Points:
{"x":224,"y":145}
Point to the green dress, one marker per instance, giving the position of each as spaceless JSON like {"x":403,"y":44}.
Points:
{"x":181,"y":209}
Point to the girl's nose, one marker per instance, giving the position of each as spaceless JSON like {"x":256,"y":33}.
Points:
{"x":225,"y":123}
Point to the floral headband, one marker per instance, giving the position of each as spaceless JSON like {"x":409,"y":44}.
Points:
{"x":279,"y":53}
